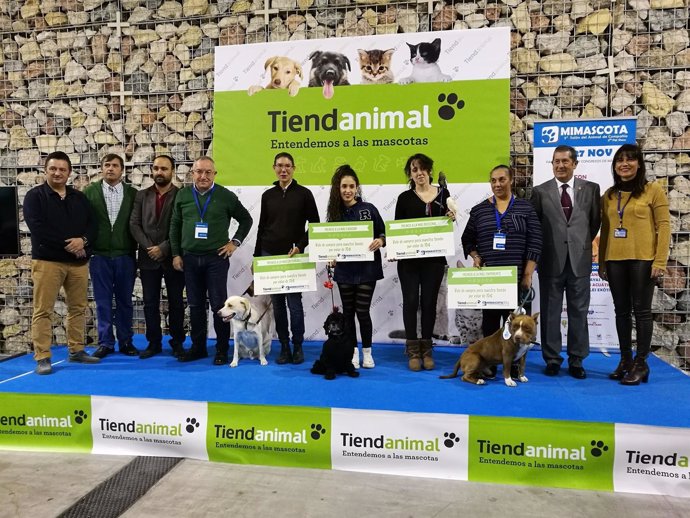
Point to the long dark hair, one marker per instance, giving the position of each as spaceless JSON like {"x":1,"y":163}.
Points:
{"x":629,"y":151}
{"x":335,"y":209}
{"x":424,"y":162}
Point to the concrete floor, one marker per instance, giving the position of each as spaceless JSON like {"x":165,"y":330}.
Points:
{"x":41,"y":485}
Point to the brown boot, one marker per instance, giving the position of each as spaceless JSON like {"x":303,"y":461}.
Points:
{"x":413,"y":353}
{"x":623,"y":368}
{"x":638,"y":373}
{"x":426,"y":348}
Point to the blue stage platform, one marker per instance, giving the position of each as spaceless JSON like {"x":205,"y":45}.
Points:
{"x":390,"y":386}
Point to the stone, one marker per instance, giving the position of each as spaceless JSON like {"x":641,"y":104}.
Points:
{"x":194,"y":7}
{"x":543,"y":106}
{"x":675,"y":40}
{"x":558,"y":63}
{"x":194,"y":103}
{"x":407,"y":20}
{"x":30,"y":51}
{"x":584,"y":46}
{"x":202,"y":64}
{"x":46,"y":143}
{"x":192,"y":36}
{"x":657,"y":138}
{"x":56,"y":19}
{"x":665,"y":4}
{"x":677,"y":122}
{"x":681,"y":252}
{"x":549,"y":85}
{"x":521,"y":18}
{"x":621,"y":100}
{"x":683,"y":141}
{"x":525,"y":61}
{"x":655,"y":101}
{"x":678,"y":202}
{"x":662,"y":302}
{"x":655,"y":58}
{"x":683,"y":101}
{"x":169,"y":10}
{"x":553,"y":43}
{"x":28,"y":158}
{"x":594,"y":23}
{"x":444,"y":18}
{"x":666,"y":167}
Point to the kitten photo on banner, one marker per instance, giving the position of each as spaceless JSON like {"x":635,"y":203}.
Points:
{"x":425,"y":69}
{"x":375,"y":66}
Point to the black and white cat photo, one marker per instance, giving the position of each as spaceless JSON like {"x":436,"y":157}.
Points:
{"x":425,"y":69}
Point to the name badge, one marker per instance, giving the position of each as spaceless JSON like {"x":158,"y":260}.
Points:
{"x":621,"y":233}
{"x":201,"y":230}
{"x":499,"y":241}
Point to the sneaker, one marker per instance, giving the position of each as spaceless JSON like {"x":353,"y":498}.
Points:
{"x":102,"y":352}
{"x":43,"y":366}
{"x":355,"y":358}
{"x":82,"y":357}
{"x":367,"y":358}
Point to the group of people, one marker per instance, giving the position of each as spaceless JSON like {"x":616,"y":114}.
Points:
{"x":182,"y":237}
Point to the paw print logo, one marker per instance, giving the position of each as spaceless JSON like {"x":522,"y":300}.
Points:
{"x":450,"y":439}
{"x":80,"y":416}
{"x":192,"y":424}
{"x":317,"y":431}
{"x":450,"y":103}
{"x":549,"y":134}
{"x":598,"y":447}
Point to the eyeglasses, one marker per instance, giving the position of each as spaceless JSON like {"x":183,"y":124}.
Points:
{"x":283,"y":166}
{"x":203,"y":172}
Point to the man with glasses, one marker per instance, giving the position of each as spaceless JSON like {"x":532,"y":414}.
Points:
{"x":113,"y":267}
{"x":150,"y":226}
{"x":201,"y":248}
{"x":285,"y":210}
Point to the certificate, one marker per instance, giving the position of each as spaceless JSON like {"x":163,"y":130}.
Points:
{"x":283,"y":274}
{"x":482,"y":288}
{"x":421,"y":237}
{"x":341,"y":242}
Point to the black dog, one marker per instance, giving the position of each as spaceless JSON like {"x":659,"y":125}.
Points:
{"x":328,"y":69}
{"x":338,"y":349}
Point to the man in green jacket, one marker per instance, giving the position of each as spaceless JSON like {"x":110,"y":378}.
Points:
{"x":201,"y":247}
{"x":113,"y":266}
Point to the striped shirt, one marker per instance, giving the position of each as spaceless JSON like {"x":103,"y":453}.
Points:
{"x":113,"y":200}
{"x":523,"y":235}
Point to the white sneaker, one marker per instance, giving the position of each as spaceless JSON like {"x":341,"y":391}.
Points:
{"x":355,"y":358}
{"x":367,"y":358}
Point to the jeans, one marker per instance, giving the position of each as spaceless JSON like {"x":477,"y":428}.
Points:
{"x":294,"y":304}
{"x":174,"y":286}
{"x":632,"y":289}
{"x":207,"y":274}
{"x":420,"y":275}
{"x":113,"y":276}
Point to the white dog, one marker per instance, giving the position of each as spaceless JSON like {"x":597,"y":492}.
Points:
{"x":250,"y":329}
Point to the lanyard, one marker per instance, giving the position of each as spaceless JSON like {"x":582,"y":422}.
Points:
{"x":196,"y":201}
{"x":499,"y":216}
{"x":620,"y":209}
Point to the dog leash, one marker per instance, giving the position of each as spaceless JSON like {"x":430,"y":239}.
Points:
{"x":250,"y":291}
{"x":520,"y":310}
{"x":329,"y":284}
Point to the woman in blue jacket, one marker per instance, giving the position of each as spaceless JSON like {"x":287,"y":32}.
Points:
{"x":356,"y":280}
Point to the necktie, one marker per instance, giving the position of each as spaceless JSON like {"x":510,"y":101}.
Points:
{"x":566,"y":202}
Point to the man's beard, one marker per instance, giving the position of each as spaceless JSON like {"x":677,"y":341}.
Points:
{"x":161,"y":180}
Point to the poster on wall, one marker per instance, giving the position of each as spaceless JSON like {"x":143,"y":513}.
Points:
{"x":370,"y":102}
{"x":596,"y":141}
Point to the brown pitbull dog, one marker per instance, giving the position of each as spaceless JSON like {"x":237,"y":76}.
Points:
{"x":505,"y":346}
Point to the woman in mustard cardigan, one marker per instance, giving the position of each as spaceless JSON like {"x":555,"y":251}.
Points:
{"x":635,"y":236}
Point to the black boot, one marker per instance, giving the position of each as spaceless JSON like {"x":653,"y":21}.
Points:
{"x":177,"y":348}
{"x":151,"y":350}
{"x":638,"y":373}
{"x":196,"y":352}
{"x":285,"y":354}
{"x":623,"y":368}
{"x":221,"y":354}
{"x":297,"y":354}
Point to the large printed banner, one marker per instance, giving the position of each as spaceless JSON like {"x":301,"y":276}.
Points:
{"x":445,"y":94}
{"x":536,"y":452}
{"x":368,"y":101}
{"x":596,"y":141}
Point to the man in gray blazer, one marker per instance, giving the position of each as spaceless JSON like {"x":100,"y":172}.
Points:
{"x":150,"y":226}
{"x":570,"y":214}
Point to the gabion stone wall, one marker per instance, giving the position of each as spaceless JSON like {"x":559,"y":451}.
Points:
{"x":136,"y":77}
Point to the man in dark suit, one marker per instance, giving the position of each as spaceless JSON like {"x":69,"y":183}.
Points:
{"x":150,"y":226}
{"x":569,"y":210}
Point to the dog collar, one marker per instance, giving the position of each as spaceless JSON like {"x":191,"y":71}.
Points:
{"x":249,"y":315}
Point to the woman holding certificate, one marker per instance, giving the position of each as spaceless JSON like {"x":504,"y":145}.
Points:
{"x":503,"y":231}
{"x":421,"y":274}
{"x":633,"y":250}
{"x":356,"y":280}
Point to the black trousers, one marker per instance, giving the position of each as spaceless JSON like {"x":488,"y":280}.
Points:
{"x":356,"y":299}
{"x":632,"y":289}
{"x":151,"y":281}
{"x":420,"y":280}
